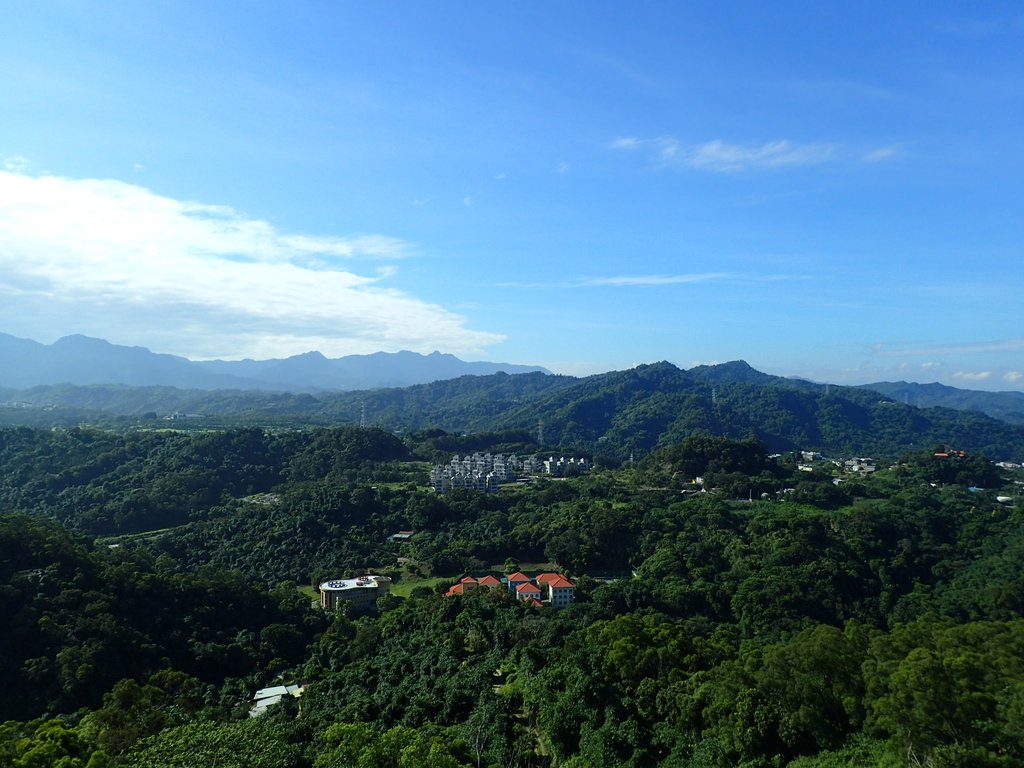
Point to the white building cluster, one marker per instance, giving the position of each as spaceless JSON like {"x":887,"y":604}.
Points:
{"x":484,"y":472}
{"x":561,"y":465}
{"x":481,"y":472}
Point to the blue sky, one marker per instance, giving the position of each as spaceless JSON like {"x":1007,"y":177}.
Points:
{"x":833,"y":191}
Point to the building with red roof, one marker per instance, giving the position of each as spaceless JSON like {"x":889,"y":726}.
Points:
{"x":527,"y":591}
{"x":469,"y":583}
{"x":560,"y":592}
{"x":552,"y":589}
{"x":517,"y":578}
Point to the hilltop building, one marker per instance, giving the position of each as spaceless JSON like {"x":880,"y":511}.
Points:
{"x":362,"y":592}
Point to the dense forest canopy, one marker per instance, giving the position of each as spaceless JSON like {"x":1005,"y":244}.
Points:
{"x":733,"y":606}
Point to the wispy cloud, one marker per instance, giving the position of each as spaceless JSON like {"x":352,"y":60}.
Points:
{"x":881,"y":154}
{"x":719,"y":156}
{"x":653,"y":281}
{"x":109,"y":258}
{"x":723,"y":157}
{"x":955,"y":348}
{"x":1013,"y":376}
{"x":973,"y":375}
{"x":626,"y":142}
{"x":16,"y":164}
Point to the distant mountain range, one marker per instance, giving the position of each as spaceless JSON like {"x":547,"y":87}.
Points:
{"x":612,"y":415}
{"x":81,"y":360}
{"x":1008,"y":406}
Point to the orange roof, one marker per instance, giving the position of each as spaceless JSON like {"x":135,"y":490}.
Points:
{"x":467,"y":580}
{"x":561,"y":583}
{"x":489,"y":581}
{"x":518,"y":576}
{"x":532,"y":601}
{"x":527,"y":588}
{"x":458,"y":589}
{"x":544,"y":578}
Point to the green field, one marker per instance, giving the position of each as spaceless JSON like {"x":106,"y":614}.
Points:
{"x":311,"y":592}
{"x":405,"y":587}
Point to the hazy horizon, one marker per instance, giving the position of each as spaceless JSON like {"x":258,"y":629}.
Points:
{"x":981,"y":386}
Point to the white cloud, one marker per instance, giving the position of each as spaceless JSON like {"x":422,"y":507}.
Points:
{"x":721,"y":157}
{"x":562,"y":167}
{"x":108,"y":258}
{"x":626,"y":142}
{"x":972,"y":375}
{"x":650,"y":280}
{"x":952,"y":348}
{"x":645,"y":281}
{"x":16,"y":164}
{"x":879,"y":154}
{"x":1013,"y":376}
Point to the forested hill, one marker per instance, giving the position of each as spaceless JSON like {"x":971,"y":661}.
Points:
{"x":612,"y":414}
{"x":776,"y":619}
{"x":1007,"y":406}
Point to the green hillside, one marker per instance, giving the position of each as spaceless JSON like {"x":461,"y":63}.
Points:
{"x":611,"y":415}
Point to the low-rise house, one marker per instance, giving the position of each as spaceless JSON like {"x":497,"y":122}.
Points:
{"x":469,"y":583}
{"x":517,"y":578}
{"x":861,"y":466}
{"x":527,"y":591}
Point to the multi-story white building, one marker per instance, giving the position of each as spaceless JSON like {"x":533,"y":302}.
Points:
{"x":362,"y":592}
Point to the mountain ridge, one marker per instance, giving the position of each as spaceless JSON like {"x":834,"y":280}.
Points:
{"x":613,"y":415}
{"x":1006,"y":405}
{"x":84,"y":361}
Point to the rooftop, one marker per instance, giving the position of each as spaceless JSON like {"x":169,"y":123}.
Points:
{"x":359,"y":582}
